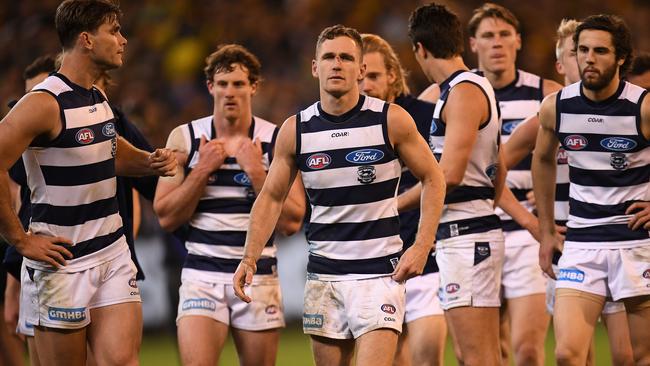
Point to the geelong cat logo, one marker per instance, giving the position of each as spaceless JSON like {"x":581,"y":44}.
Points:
{"x":364,"y":156}
{"x":318,"y":161}
{"x":85,"y":136}
{"x":618,"y":144}
{"x":109,"y":129}
{"x":575,"y":142}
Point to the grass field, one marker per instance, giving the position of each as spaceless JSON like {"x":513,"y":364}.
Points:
{"x":295,"y":350}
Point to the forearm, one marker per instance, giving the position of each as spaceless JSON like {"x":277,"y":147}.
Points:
{"x":544,"y":173}
{"x":257,"y":177}
{"x":264,"y":216}
{"x":519,"y":213}
{"x":177,"y":206}
{"x":131,"y":161}
{"x":431,"y":205}
{"x":410,"y":199}
{"x":293,"y":210}
{"x":10,"y":227}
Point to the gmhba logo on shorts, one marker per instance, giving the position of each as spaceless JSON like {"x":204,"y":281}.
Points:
{"x":364,"y":156}
{"x":318,"y":161}
{"x":312,"y":320}
{"x":71,"y":315}
{"x":573,"y":275}
{"x":199,"y":303}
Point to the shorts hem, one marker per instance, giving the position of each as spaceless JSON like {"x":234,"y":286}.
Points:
{"x":113,"y":302}
{"x":62,"y":326}
{"x":326,"y":334}
{"x":628,"y":295}
{"x":472,"y":304}
{"x":519,"y":294}
{"x":269,"y":326}
{"x":422,"y":314}
{"x":396,"y":327}
{"x":560,"y":285}
{"x":212,"y":317}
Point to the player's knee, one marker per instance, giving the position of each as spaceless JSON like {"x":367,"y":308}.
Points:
{"x":622,"y":359}
{"x":566,"y":355}
{"x":125,"y":357}
{"x":528,"y":354}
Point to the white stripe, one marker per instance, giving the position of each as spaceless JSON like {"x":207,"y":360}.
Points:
{"x":323,"y":140}
{"x":89,"y":230}
{"x":224,"y":251}
{"x":73,"y":156}
{"x":518,"y":109}
{"x":570,"y":91}
{"x":74,"y":195}
{"x":610,"y":125}
{"x":346,"y":177}
{"x":467,"y":210}
{"x":528,"y":79}
{"x":355,"y":213}
{"x":216,"y":222}
{"x":80,"y":117}
{"x":578,"y":222}
{"x":54,"y":85}
{"x":360,"y":249}
{"x":308,"y":113}
{"x":562,"y":174}
{"x":520,"y":179}
{"x":561,"y":210}
{"x":373,"y":104}
{"x":631,"y":92}
{"x":595,"y":160}
{"x":608,"y":195}
{"x":212,"y":192}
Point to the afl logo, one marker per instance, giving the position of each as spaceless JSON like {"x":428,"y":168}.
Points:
{"x":452,"y":287}
{"x":318,"y":161}
{"x":508,"y":127}
{"x":133,"y":283}
{"x":109,"y":129}
{"x":242,"y":179}
{"x":271,"y":309}
{"x":575,"y":142}
{"x":388,"y":309}
{"x":562,"y":156}
{"x":618,"y":144}
{"x":85,"y":136}
{"x":364,"y":156}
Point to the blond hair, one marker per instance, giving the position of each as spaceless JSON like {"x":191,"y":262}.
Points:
{"x":566,"y":29}
{"x":374,"y":43}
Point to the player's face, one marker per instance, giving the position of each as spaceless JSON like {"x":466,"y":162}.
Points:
{"x":597,"y":59}
{"x":108,"y":45}
{"x":338,"y":66}
{"x":642,"y":80}
{"x":32,"y":82}
{"x":568,"y":63}
{"x":377,"y":79}
{"x":232,"y":92}
{"x":496,"y":43}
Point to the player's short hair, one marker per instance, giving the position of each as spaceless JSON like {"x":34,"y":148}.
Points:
{"x":640,"y":64}
{"x":437,"y":29}
{"x":491,"y":10}
{"x":336,"y":31}
{"x":227,"y":56}
{"x":566,"y":29}
{"x":621,"y":37}
{"x":44,"y":64}
{"x":374,"y":43}
{"x":76,"y":16}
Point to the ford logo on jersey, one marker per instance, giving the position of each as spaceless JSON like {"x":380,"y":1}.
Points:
{"x":242,"y":179}
{"x":618,"y":144}
{"x":318,"y":161}
{"x":508,"y":127}
{"x":575,"y":142}
{"x":85,"y":136}
{"x":364,"y":156}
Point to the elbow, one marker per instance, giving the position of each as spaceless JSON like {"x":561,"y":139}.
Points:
{"x":452,"y":182}
{"x":289,"y":227}
{"x":168,"y":224}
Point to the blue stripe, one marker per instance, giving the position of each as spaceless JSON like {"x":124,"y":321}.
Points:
{"x":605,"y":233}
{"x":619,"y":108}
{"x":380,"y":265}
{"x":365,"y":118}
{"x":562,"y":192}
{"x":90,"y":246}
{"x":69,"y":137}
{"x":353,"y":195}
{"x":78,"y":175}
{"x":610,"y":178}
{"x":73,"y":215}
{"x":520,"y":194}
{"x":265,"y":266}
{"x":231,"y":238}
{"x":467,"y":193}
{"x":350,"y":231}
{"x":510,"y":225}
{"x":594,"y":211}
{"x":225,"y":206}
{"x":473,"y":225}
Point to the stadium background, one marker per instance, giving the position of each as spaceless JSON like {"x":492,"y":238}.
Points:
{"x":161,"y":85}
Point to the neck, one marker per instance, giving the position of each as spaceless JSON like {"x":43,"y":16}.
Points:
{"x":239,"y":126}
{"x":79,"y":69}
{"x":501,"y":79}
{"x":336,"y":106}
{"x":604,"y":93}
{"x":439,"y":70}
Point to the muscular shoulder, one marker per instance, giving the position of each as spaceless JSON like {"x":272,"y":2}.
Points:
{"x":179,"y":140}
{"x":36,"y":113}
{"x":550,"y":86}
{"x":547,"y":111}
{"x":430,"y":94}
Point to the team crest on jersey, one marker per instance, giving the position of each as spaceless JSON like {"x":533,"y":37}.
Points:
{"x":364,"y":156}
{"x":618,"y":161}
{"x":366,"y":174}
{"x":618,"y":144}
{"x":109,"y":129}
{"x":318,"y":161}
{"x":575,"y":142}
{"x":434,"y":127}
{"x":491,"y":171}
{"x":242,"y":179}
{"x":508,"y":127}
{"x":562,"y":156}
{"x":85,"y":136}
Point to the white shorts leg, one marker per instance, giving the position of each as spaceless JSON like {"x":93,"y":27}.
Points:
{"x":28,"y":311}
{"x":422,"y":297}
{"x":470,"y":270}
{"x":629,"y":272}
{"x":349,"y":309}
{"x":613,"y":307}
{"x":218,"y":301}
{"x":522,"y":275}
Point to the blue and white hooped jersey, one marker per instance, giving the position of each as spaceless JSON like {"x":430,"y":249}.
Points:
{"x":562,"y":188}
{"x":72,"y":178}
{"x":609,"y":168}
{"x":217,"y":230}
{"x":351,"y":175}
{"x":518,"y":101}
{"x":469,"y":208}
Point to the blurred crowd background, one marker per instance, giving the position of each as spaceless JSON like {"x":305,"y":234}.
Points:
{"x":161,"y":84}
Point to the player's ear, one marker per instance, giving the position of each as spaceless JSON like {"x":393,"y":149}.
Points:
{"x":85,"y":40}
{"x":254,"y":87}
{"x":559,"y":68}
{"x":472,"y":44}
{"x":518,"y":37}
{"x":314,"y":69}
{"x":362,"y":72}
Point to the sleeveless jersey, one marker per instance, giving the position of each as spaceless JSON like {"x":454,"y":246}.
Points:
{"x":518,"y":101}
{"x":351,"y":175}
{"x":469,"y":208}
{"x":217,"y":230}
{"x":72,"y":178}
{"x":609,"y":167}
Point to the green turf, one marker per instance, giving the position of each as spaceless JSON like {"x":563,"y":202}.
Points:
{"x":160,"y":350}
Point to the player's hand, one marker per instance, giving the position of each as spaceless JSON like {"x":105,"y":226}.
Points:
{"x":163,"y":162}
{"x":48,"y":249}
{"x":249,"y":155}
{"x":212,"y":154}
{"x":530,"y":197}
{"x":547,"y":246}
{"x":411,"y":263}
{"x":11,"y":305}
{"x":243,"y":277}
{"x":640,"y":212}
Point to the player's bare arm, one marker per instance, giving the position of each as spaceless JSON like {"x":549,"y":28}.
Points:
{"x":544,"y":169}
{"x":499,"y":181}
{"x":417,"y":156}
{"x":31,"y":119}
{"x":268,"y":205}
{"x":177,"y":196}
{"x":641,"y":210}
{"x":550,"y":86}
{"x":293,"y":209}
{"x":133,"y":162}
{"x":521,"y":141}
